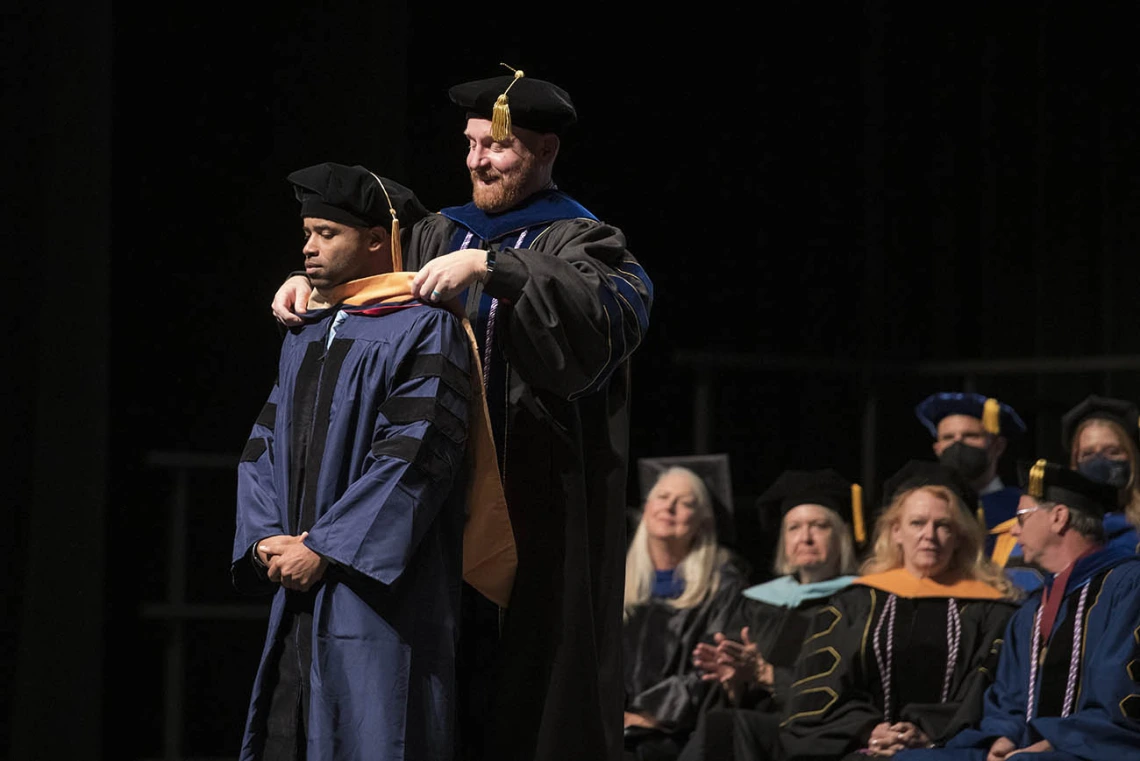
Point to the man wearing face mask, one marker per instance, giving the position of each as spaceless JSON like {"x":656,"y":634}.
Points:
{"x":1102,"y":436}
{"x":970,"y":435}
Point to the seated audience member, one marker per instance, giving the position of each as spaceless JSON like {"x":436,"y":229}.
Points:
{"x":889,"y":660}
{"x":901,"y":649}
{"x":971,"y":433}
{"x":680,"y":586}
{"x":1102,"y":437}
{"x":1067,"y":684}
{"x":753,"y":659}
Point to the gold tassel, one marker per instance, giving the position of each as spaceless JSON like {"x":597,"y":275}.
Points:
{"x":991,"y":416}
{"x":860,"y":530}
{"x":397,"y":250}
{"x":1003,"y":548}
{"x":981,"y":515}
{"x":501,"y":113}
{"x":1037,"y":480}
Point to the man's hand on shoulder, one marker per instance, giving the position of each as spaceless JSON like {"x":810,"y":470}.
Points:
{"x":449,"y":275}
{"x":291,"y":299}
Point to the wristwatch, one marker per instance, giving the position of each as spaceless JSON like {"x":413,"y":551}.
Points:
{"x":490,"y":263}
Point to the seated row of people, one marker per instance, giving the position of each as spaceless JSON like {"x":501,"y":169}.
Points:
{"x":1100,"y":437}
{"x":1067,"y":682}
{"x":820,"y":664}
{"x":925,"y":576}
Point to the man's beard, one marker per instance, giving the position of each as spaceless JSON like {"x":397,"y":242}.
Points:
{"x":504,"y":194}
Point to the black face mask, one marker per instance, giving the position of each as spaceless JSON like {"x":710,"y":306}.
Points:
{"x":970,"y":462}
{"x":1105,"y":471}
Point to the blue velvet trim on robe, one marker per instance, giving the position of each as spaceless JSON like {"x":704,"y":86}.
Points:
{"x":540,"y":209}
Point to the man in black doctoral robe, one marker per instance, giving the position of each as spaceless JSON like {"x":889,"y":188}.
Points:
{"x":559,"y":304}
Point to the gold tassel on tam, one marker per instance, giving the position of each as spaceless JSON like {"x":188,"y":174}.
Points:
{"x":1037,"y":480}
{"x":981,"y":515}
{"x":991,"y":416}
{"x":501,"y":113}
{"x":858,"y":527}
{"x":397,"y":249}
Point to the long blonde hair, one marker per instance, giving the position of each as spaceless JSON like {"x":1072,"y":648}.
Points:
{"x":968,"y":560}
{"x":701,"y":567}
{"x":1129,"y":497}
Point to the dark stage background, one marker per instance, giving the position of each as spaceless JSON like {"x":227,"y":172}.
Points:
{"x":843,"y":209}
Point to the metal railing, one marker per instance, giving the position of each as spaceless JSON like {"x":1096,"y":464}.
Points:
{"x":176,"y":611}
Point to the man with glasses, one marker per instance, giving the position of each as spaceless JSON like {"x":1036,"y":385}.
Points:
{"x":1068,"y":678}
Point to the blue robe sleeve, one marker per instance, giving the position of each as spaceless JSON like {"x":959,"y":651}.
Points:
{"x":258,"y":515}
{"x":1005,"y":700}
{"x":1106,"y":721}
{"x":581,"y":306}
{"x":418,"y":446}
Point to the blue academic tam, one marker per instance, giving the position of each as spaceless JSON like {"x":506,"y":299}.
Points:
{"x":933,"y":408}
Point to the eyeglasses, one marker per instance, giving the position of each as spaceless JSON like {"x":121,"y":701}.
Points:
{"x":1024,"y":512}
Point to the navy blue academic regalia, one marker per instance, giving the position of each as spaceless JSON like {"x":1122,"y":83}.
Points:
{"x":999,"y":506}
{"x":1118,"y":532}
{"x":1103,"y":720}
{"x":362,"y":445}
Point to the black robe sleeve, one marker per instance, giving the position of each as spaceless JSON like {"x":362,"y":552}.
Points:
{"x":983,"y":626}
{"x":579,"y":301}
{"x":660,"y":680}
{"x":831,"y":708}
{"x":778,"y":633}
{"x":838,"y":696}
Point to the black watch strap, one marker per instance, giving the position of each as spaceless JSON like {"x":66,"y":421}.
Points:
{"x":491,"y":253}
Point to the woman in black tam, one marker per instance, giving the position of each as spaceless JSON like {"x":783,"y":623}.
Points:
{"x":889,"y":662}
{"x":1103,"y":439}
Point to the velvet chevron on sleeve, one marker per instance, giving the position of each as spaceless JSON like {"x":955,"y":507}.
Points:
{"x":556,"y":322}
{"x":361,"y":444}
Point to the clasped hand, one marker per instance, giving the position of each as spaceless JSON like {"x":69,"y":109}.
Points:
{"x":736,"y":665}
{"x":888,"y":739}
{"x":1004,"y":748}
{"x":290,"y":563}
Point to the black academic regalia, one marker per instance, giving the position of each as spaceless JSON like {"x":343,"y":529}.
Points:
{"x":570,"y":306}
{"x":660,"y":680}
{"x":1092,"y":657}
{"x":839,"y":694}
{"x":778,"y":630}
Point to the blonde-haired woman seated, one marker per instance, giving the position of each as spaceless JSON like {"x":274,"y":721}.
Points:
{"x":895,"y":655}
{"x":752,"y":663}
{"x":680,"y":586}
